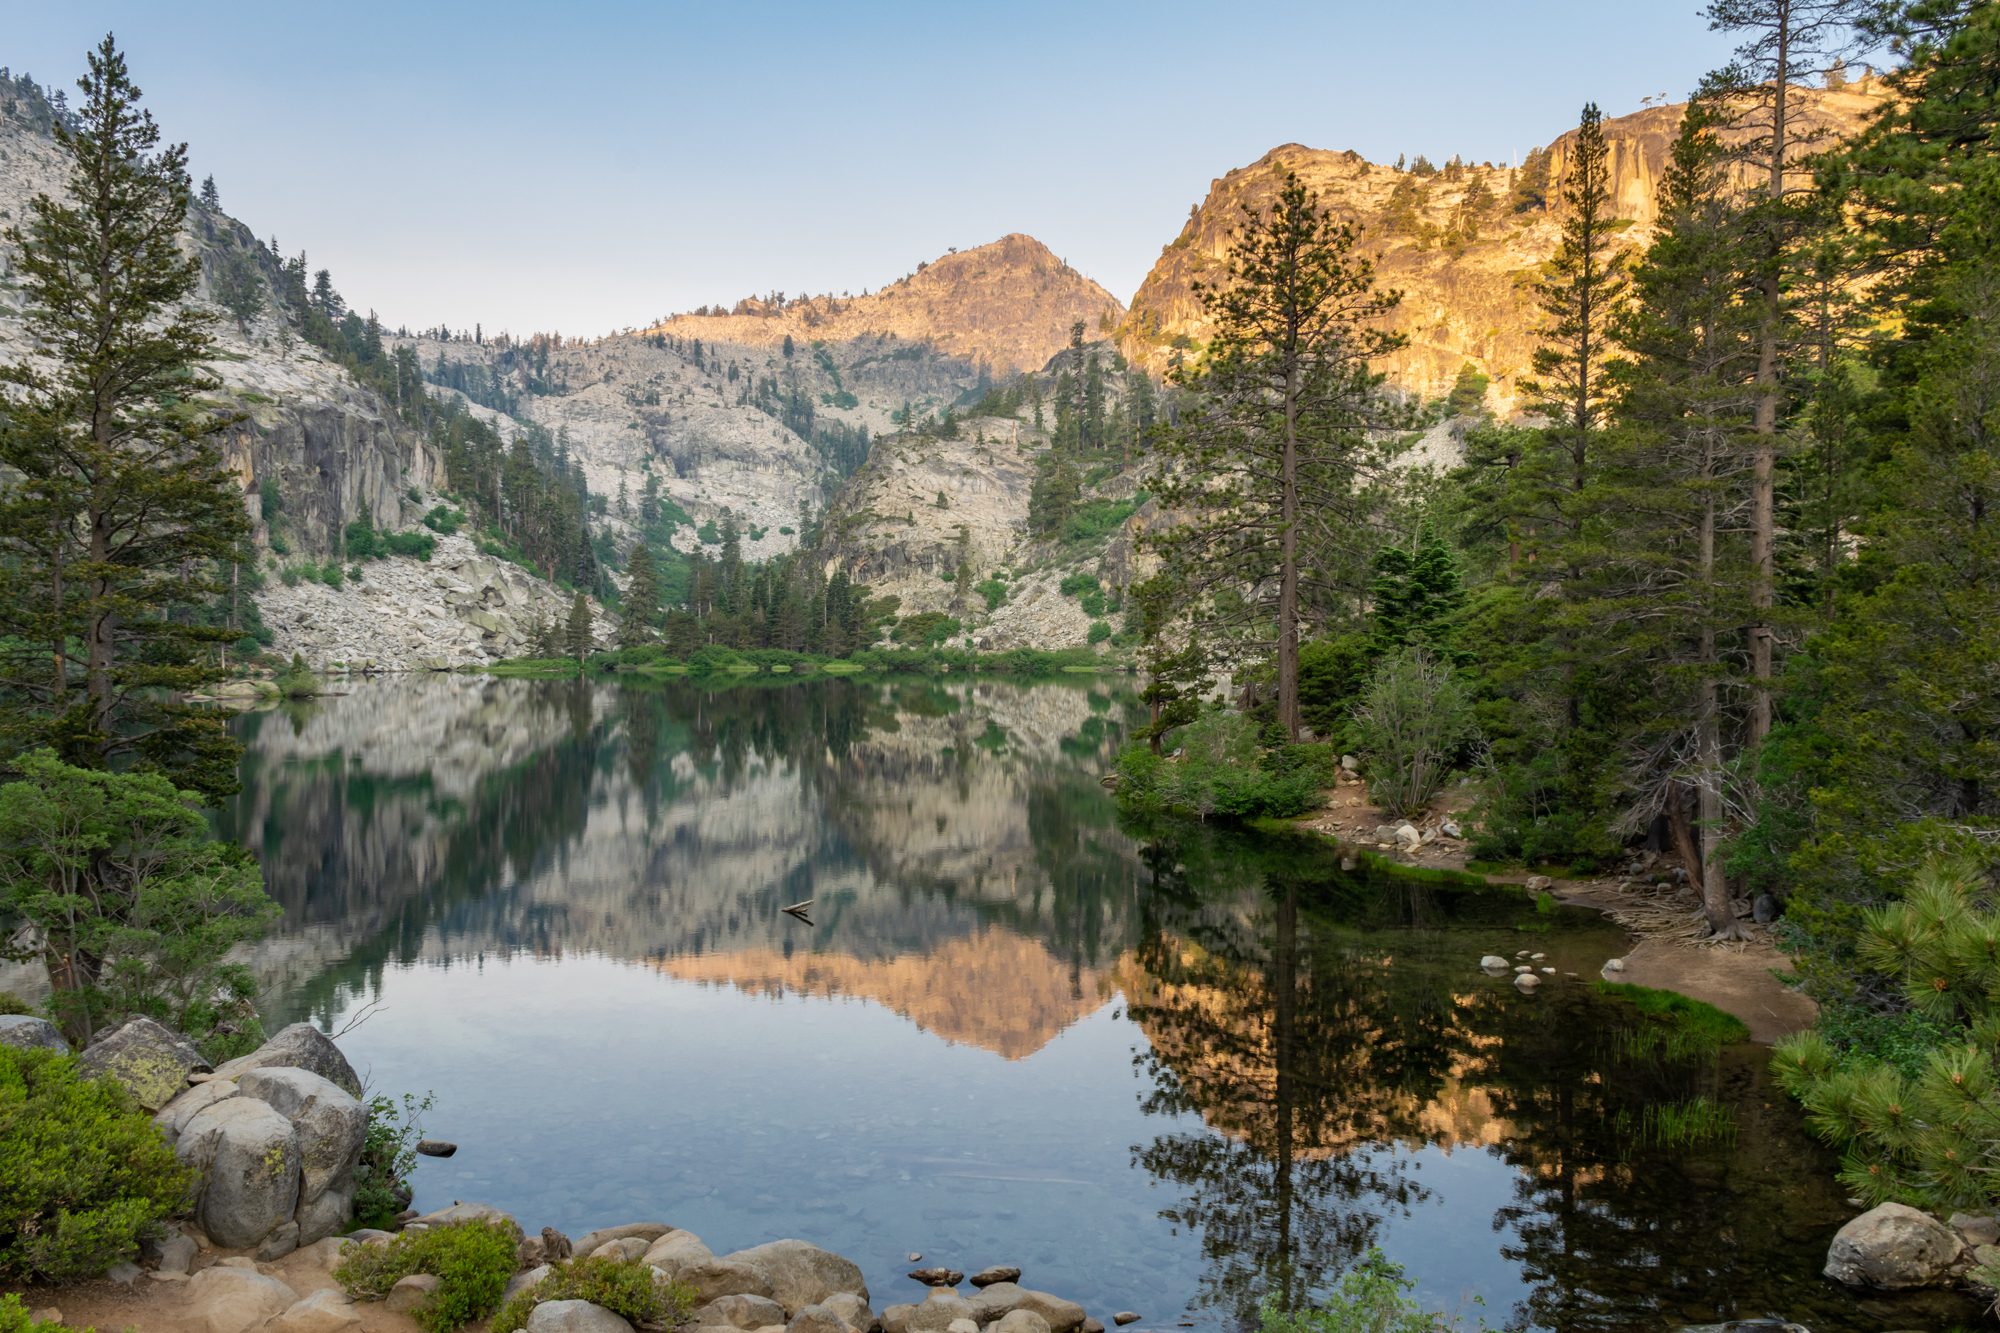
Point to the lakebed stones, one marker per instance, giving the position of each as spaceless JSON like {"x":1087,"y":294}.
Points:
{"x":31,"y":1033}
{"x":148,"y":1059}
{"x":1493,"y":962}
{"x":986,"y":1277}
{"x":1527,"y":982}
{"x":1893,"y":1248}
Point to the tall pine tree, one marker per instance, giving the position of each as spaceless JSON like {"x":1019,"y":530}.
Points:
{"x":121,"y":517}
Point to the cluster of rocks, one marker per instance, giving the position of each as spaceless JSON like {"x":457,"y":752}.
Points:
{"x":1893,"y":1247}
{"x":1528,"y":969}
{"x":273,"y":1136}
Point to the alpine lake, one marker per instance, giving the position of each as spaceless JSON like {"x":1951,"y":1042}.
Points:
{"x":1180,"y":1070}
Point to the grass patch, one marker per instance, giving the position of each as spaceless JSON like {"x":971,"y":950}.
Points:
{"x":1679,"y":1124}
{"x":1685,"y":1026}
{"x":842,"y":667}
{"x":534,"y":666}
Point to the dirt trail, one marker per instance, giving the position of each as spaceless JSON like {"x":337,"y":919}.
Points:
{"x":1739,"y":978}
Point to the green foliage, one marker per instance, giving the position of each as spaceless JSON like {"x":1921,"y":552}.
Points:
{"x":1372,"y":1296}
{"x":120,"y":519}
{"x":994,"y":591}
{"x":628,"y":1288}
{"x":15,"y":1318}
{"x":388,"y":1156}
{"x":1099,"y":632}
{"x":134,"y":902}
{"x":1095,"y":520}
{"x":10,"y":1003}
{"x":927,"y":628}
{"x":1414,"y":722}
{"x":1917,"y":1133}
{"x":444,"y":520}
{"x":1222,"y":771}
{"x":472,"y":1261}
{"x":1333,"y":672}
{"x":1695,"y":1027}
{"x":85,"y":1175}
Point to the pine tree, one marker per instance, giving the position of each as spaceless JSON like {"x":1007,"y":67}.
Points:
{"x":122,"y":515}
{"x":640,"y":611}
{"x":578,"y":641}
{"x":210,"y":198}
{"x":1264,"y":469}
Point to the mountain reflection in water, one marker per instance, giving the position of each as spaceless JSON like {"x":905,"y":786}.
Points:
{"x":1174,"y":1070}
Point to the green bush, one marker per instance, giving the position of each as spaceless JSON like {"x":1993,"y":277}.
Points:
{"x":1098,"y":518}
{"x":1373,"y":1297}
{"x":444,"y":520}
{"x":388,"y":1156}
{"x":84,"y":1176}
{"x":994,"y":591}
{"x":471,"y":1260}
{"x":1414,"y":723}
{"x":626,"y":1287}
{"x":1222,"y":771}
{"x":1099,"y":631}
{"x":1078,"y":583}
{"x":10,"y":1003}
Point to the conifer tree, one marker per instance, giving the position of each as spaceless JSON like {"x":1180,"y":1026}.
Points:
{"x":578,"y":641}
{"x":1264,"y":470}
{"x":210,"y":198}
{"x":641,"y":608}
{"x":122,"y":515}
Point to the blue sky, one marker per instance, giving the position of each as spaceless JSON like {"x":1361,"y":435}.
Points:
{"x":587,"y":166}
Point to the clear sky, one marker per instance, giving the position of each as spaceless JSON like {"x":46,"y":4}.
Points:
{"x":584,"y":166}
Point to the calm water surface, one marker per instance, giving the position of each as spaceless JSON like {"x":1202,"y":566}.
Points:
{"x":1180,"y":1072}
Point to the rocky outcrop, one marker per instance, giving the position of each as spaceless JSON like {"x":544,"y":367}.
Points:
{"x":274,"y":1144}
{"x":1008,"y":305}
{"x":1465,"y":269}
{"x":31,"y":1033}
{"x":459,"y":608}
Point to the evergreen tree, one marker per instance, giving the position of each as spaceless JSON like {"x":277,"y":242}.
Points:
{"x":210,"y":198}
{"x":641,"y":608}
{"x":578,"y":641}
{"x":121,"y":515}
{"x":1264,"y":470}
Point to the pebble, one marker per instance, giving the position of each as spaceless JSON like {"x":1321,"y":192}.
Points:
{"x":1614,"y":965}
{"x":916,"y":1258}
{"x":435,"y":1148}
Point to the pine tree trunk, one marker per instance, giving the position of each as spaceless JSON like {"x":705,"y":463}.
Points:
{"x":1715,"y":904}
{"x":1288,"y":576}
{"x":1763,"y":521}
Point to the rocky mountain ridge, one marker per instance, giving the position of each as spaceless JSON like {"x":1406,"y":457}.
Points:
{"x":1464,"y":246}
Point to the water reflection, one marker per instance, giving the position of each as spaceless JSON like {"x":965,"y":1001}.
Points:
{"x":1168,"y":1069}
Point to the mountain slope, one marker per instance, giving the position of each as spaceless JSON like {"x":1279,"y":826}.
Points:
{"x":1466,"y":271}
{"x":1007,"y":306}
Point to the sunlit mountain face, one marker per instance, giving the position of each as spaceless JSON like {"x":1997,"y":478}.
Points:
{"x":1171,"y":1069}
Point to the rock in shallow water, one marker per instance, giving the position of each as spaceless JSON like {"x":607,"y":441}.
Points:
{"x":986,"y":1277}
{"x":937,"y":1277}
{"x":1893,"y":1248}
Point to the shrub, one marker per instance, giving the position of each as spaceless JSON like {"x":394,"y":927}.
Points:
{"x":85,"y":1174}
{"x":1099,"y":632}
{"x":10,"y":1003}
{"x":1222,"y":771}
{"x":471,"y":1260}
{"x":290,"y":575}
{"x":14,"y":1318}
{"x":1373,"y":1297}
{"x":994,"y":591}
{"x":444,"y":520}
{"x":1414,"y":721}
{"x":388,"y":1156}
{"x":1078,"y":583}
{"x":626,"y":1287}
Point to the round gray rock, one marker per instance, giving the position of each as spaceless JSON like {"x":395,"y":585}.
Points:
{"x":331,"y":1124}
{"x":300,"y":1046}
{"x":1021,"y":1321}
{"x":322,"y":1312}
{"x":236,"y":1300}
{"x":801,"y":1274}
{"x":248,"y":1156}
{"x":1003,"y":1298}
{"x":1893,"y":1248}
{"x":31,"y":1033}
{"x":589,"y":1241}
{"x":151,"y":1061}
{"x":575,"y":1317}
{"x":744,"y":1312}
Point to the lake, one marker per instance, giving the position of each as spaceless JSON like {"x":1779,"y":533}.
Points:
{"x":1178,"y":1070}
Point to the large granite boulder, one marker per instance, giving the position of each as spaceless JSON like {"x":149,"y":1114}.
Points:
{"x":331,"y":1125}
{"x":1893,"y":1247}
{"x":31,"y":1033}
{"x":248,"y":1157}
{"x":801,"y":1274}
{"x":149,"y":1059}
{"x":575,"y":1317}
{"x":1003,"y":1298}
{"x":300,"y":1046}
{"x":236,"y":1300}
